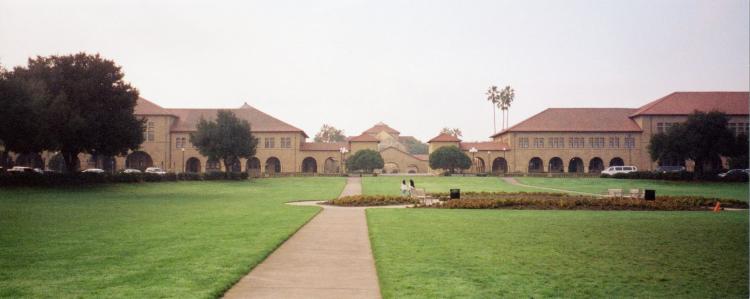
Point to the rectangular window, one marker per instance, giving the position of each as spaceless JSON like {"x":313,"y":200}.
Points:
{"x":596,"y":142}
{"x":178,"y":143}
{"x":539,"y":142}
{"x":629,"y":142}
{"x":148,"y":135}
{"x":577,"y":142}
{"x":523,"y":142}
{"x":286,"y":142}
{"x":614,"y":142}
{"x":556,"y":142}
{"x":270,"y":142}
{"x":739,"y":128}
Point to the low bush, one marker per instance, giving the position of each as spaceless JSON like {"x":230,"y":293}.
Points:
{"x":189,"y":176}
{"x":371,"y":200}
{"x":559,"y":201}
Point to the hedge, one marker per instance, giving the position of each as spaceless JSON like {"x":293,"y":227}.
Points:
{"x":371,"y":200}
{"x":8,"y":179}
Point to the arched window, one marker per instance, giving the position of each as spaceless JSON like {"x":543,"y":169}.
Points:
{"x":556,"y":165}
{"x":253,"y":167}
{"x":309,"y":165}
{"x":616,"y":161}
{"x":536,"y":165}
{"x":499,"y":165}
{"x":139,"y":160}
{"x":193,"y":165}
{"x":596,"y":165}
{"x":331,"y":166}
{"x":479,"y":164}
{"x":273,"y":165}
{"x":575,"y":165}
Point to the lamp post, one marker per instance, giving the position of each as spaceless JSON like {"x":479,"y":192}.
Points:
{"x":183,"y":160}
{"x":343,"y":151}
{"x":473,"y":150}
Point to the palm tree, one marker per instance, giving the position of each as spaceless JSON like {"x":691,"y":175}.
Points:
{"x":506,"y":97}
{"x":493,"y":96}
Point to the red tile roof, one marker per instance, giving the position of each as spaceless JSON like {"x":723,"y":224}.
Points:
{"x":422,"y":157}
{"x":485,"y":146}
{"x":323,"y":146}
{"x":684,"y":103}
{"x":187,"y":119}
{"x":578,"y":120}
{"x":379,"y":127}
{"x":443,"y":137}
{"x":363,"y":138}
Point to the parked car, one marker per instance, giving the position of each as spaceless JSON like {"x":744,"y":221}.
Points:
{"x":130,"y":170}
{"x":155,"y":170}
{"x":669,"y":169}
{"x":93,"y":170}
{"x":734,"y":172}
{"x":19,"y":169}
{"x":619,"y":169}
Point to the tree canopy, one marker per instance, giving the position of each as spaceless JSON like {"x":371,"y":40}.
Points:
{"x":71,"y":104}
{"x":456,"y":132}
{"x":329,"y":134}
{"x":226,"y":139}
{"x":414,"y":146}
{"x":365,"y":160}
{"x":703,"y":138}
{"x":449,"y":158}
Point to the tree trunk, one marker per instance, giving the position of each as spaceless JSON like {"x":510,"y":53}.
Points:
{"x":70,"y":158}
{"x":494,"y":117}
{"x":226,"y":167}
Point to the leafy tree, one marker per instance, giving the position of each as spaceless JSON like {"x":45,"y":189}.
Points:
{"x":449,"y":158}
{"x":740,"y":157}
{"x":329,"y":134}
{"x":507,"y":95}
{"x":81,"y":104}
{"x":703,"y":138}
{"x":227,"y":139}
{"x":365,"y":160}
{"x":19,"y":117}
{"x":456,"y":132}
{"x":414,"y":146}
{"x":493,"y":95}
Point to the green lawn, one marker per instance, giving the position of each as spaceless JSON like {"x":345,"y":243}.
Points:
{"x":390,"y":185}
{"x":179,"y":240}
{"x":599,"y":185}
{"x":423,"y":253}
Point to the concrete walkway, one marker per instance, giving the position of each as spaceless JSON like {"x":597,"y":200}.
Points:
{"x":513,"y":181}
{"x":330,"y":257}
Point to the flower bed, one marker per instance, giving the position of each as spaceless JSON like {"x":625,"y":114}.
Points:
{"x":371,"y":200}
{"x":559,"y":201}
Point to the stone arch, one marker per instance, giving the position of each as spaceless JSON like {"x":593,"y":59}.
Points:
{"x":499,"y":165}
{"x":139,"y":160}
{"x":253,"y":166}
{"x":331,"y":166}
{"x":596,"y":165}
{"x":479,"y":165}
{"x":213,"y":165}
{"x":556,"y":165}
{"x":536,"y":165}
{"x":273,"y":165}
{"x":235,"y":165}
{"x":575,"y":165}
{"x":33,"y":160}
{"x":412,"y":168}
{"x":391,"y":167}
{"x":193,"y":165}
{"x":309,"y":165}
{"x":57,"y":163}
{"x":616,"y":161}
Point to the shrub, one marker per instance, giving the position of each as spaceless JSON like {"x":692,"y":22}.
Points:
{"x":127,"y":178}
{"x":213,"y":175}
{"x":189,"y":176}
{"x":371,"y":200}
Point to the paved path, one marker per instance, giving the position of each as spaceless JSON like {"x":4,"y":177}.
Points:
{"x":513,"y":181}
{"x":330,"y":257}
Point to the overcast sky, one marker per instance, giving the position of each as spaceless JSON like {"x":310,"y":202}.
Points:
{"x":416,"y":65}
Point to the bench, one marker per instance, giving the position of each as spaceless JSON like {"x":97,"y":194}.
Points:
{"x":632,"y":193}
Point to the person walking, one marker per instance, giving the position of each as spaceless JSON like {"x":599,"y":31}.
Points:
{"x":411,"y":186}
{"x":404,"y":188}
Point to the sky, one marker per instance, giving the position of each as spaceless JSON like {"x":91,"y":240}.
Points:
{"x":418,"y":66}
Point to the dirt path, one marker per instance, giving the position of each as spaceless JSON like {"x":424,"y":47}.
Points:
{"x":330,"y":257}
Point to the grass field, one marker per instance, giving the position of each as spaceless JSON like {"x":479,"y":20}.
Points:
{"x":179,"y":240}
{"x":598,"y":185}
{"x":520,"y":254}
{"x":390,"y":185}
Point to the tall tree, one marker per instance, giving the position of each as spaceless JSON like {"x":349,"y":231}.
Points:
{"x":20,"y":106}
{"x":86,"y":105}
{"x":366,"y":160}
{"x":414,"y":146}
{"x":703,"y":138}
{"x":740,"y":157}
{"x":506,"y":98}
{"x":329,"y":134}
{"x":456,"y":132}
{"x":493,"y":95}
{"x":449,"y":158}
{"x":227,"y":139}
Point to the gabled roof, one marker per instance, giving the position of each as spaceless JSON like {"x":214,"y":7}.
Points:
{"x":187,"y":119}
{"x":684,"y":103}
{"x":146,"y":107}
{"x":323,"y":146}
{"x":485,"y":146}
{"x":443,"y":137}
{"x":379,"y":127}
{"x":363,"y":138}
{"x":578,"y":120}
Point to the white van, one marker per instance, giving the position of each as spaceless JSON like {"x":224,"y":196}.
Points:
{"x":619,"y":169}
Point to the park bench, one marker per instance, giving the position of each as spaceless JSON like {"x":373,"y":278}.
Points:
{"x":614,"y":192}
{"x":636,"y":193}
